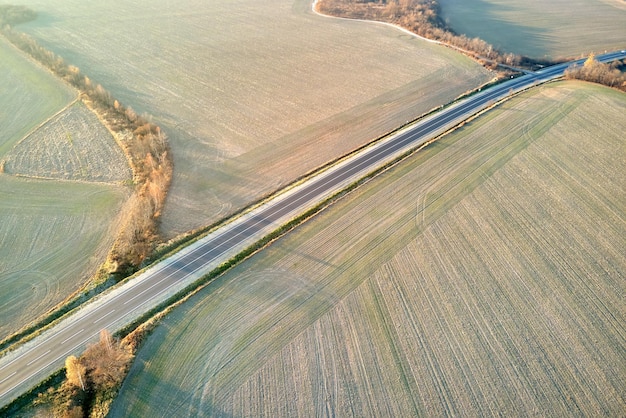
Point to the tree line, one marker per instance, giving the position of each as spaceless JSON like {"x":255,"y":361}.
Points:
{"x":597,"y":72}
{"x":423,"y":18}
{"x":143,"y":142}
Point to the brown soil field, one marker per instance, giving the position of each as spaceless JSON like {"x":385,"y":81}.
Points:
{"x":483,"y":276}
{"x":73,"y":145}
{"x":538,"y":28}
{"x":251,"y":94}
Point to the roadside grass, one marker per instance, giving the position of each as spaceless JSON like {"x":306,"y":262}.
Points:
{"x":251,"y":94}
{"x":54,"y":235}
{"x":28,"y":96}
{"x":73,"y":145}
{"x":540,"y":29}
{"x":482,"y":276}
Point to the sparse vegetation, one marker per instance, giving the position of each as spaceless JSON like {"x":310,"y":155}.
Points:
{"x":57,"y":139}
{"x":53,"y":234}
{"x":597,"y":72}
{"x":91,"y":380}
{"x":480,"y":279}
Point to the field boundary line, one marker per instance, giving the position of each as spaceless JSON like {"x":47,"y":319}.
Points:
{"x":292,"y":221}
{"x":45,"y":122}
{"x":188,"y":240}
{"x":314,"y":10}
{"x":62,"y":180}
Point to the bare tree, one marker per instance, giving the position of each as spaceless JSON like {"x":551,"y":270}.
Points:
{"x":75,"y":372}
{"x":106,"y":339}
{"x":106,"y":361}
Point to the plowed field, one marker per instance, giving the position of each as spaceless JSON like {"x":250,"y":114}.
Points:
{"x":28,"y":96}
{"x":484,"y":276}
{"x":73,"y":145}
{"x":53,"y":236}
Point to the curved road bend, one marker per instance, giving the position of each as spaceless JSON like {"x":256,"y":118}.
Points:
{"x":24,"y":367}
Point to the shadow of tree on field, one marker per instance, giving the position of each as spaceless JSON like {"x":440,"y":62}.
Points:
{"x":44,"y":19}
{"x":170,"y":399}
{"x":486,"y":22}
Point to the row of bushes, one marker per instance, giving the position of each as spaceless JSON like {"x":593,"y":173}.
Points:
{"x":592,"y":70}
{"x":144,"y":144}
{"x":420,"y":17}
{"x":91,"y":381}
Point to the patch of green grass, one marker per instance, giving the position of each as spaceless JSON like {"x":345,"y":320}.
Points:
{"x":537,"y":28}
{"x":53,"y":237}
{"x":481,"y":276}
{"x":28,"y":96}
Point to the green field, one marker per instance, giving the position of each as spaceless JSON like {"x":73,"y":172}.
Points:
{"x":54,"y":235}
{"x":483,"y":276}
{"x":251,"y":94}
{"x":28,"y":96}
{"x":539,"y":28}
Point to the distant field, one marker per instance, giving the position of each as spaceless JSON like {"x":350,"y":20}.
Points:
{"x":73,"y":145}
{"x":53,"y":236}
{"x":28,"y":96}
{"x":252,"y":94}
{"x":539,"y":28}
{"x":484,"y":276}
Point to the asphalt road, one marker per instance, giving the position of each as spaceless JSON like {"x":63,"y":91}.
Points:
{"x":37,"y":359}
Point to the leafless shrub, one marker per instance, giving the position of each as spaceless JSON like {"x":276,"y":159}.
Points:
{"x":94,"y":378}
{"x":597,"y":72}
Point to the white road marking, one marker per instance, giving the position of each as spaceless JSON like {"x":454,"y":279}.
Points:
{"x":270,"y":210}
{"x":72,"y":336}
{"x":8,"y":377}
{"x":37,"y":358}
{"x":47,"y":365}
{"x":103,"y":316}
